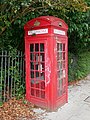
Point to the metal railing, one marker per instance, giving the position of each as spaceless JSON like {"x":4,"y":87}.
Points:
{"x":12,"y":82}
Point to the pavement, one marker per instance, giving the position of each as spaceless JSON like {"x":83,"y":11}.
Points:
{"x":78,"y":106}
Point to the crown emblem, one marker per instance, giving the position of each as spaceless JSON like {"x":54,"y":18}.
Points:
{"x":37,"y":23}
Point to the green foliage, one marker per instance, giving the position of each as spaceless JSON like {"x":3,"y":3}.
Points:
{"x":16,"y":76}
{"x":83,"y":65}
{"x":15,"y":13}
{"x":72,"y":69}
{"x":79,"y":32}
{"x":19,"y":88}
{"x":79,"y":66}
{"x":1,"y":103}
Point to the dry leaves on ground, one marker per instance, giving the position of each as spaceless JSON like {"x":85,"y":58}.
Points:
{"x":17,"y":110}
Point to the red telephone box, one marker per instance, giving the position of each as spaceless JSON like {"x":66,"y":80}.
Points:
{"x":46,"y":51}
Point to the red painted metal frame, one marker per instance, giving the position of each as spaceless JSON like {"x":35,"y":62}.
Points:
{"x":50,"y":39}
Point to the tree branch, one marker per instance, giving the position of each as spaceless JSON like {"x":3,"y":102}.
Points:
{"x":24,"y":12}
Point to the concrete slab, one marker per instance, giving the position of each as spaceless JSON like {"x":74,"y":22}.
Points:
{"x":78,"y":106}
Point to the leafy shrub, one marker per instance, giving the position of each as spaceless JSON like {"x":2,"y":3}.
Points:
{"x":83,"y":65}
{"x":72,"y":67}
{"x":79,"y":66}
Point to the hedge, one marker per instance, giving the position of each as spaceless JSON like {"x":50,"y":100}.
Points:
{"x":79,"y":66}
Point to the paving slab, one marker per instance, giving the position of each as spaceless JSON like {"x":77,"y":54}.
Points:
{"x":78,"y":106}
